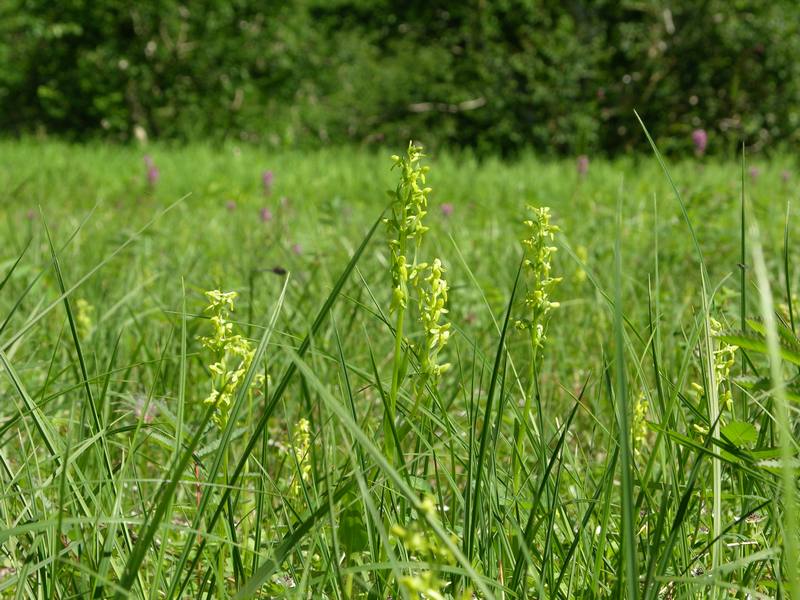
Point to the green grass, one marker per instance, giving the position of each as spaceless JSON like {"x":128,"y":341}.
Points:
{"x":624,"y":459}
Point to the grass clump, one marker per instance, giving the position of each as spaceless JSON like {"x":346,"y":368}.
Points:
{"x":406,"y":420}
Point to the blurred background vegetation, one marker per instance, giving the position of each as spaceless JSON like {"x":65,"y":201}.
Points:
{"x":555,"y":76}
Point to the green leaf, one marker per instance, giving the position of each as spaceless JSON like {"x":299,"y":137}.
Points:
{"x":740,"y":433}
{"x":264,"y":572}
{"x":756,"y":344}
{"x":352,"y":530}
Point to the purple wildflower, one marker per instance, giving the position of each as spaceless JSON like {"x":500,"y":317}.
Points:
{"x":754,"y":173}
{"x":144,"y":411}
{"x":297,"y":248}
{"x":152,"y":175}
{"x":700,"y":141}
{"x":583,"y":165}
{"x":266,"y":179}
{"x":230,"y":205}
{"x":152,"y":170}
{"x":266,"y":215}
{"x":447,"y":209}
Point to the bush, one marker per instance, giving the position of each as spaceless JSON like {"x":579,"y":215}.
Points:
{"x":497,"y":76}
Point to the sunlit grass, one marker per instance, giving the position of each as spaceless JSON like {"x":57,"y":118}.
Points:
{"x":624,"y":453}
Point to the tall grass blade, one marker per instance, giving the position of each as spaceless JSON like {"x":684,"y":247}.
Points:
{"x":628,"y":529}
{"x":277,"y":394}
{"x":786,"y":440}
{"x":476,"y":476}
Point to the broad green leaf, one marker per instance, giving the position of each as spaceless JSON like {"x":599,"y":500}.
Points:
{"x":759,"y":345}
{"x":352,"y":530}
{"x":740,"y":433}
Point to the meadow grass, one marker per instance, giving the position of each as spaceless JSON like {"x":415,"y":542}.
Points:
{"x":636,"y":439}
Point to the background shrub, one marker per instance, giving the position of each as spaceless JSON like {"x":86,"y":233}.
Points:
{"x":560,"y":77}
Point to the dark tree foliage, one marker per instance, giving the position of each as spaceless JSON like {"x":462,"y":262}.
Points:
{"x":496,"y":75}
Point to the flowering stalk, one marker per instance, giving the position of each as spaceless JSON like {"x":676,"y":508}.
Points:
{"x":152,"y":171}
{"x":537,"y":267}
{"x":639,"y":424}
{"x":301,"y":448}
{"x":427,"y":556}
{"x":700,"y":141}
{"x":83,"y":317}
{"x":723,"y":358}
{"x":267,"y":177}
{"x":232,"y":355}
{"x":409,"y":205}
{"x":432,"y":299}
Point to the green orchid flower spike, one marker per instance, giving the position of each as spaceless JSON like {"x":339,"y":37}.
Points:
{"x":232,"y":355}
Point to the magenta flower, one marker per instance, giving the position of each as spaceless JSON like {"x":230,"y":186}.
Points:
{"x":583,"y":165}
{"x":447,"y":209}
{"x":700,"y":141}
{"x":266,"y":215}
{"x":297,"y":249}
{"x":230,"y":205}
{"x":147,"y":415}
{"x":266,"y":179}
{"x":754,"y":173}
{"x":152,"y":170}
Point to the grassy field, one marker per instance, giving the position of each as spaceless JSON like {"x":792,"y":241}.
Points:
{"x":641,"y":449}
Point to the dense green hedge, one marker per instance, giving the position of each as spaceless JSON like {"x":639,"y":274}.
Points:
{"x":561,"y":76}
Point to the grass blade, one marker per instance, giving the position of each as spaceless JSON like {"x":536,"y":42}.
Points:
{"x":270,"y":407}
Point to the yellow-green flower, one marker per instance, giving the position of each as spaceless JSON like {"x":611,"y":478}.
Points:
{"x":409,"y":206}
{"x":640,"y":423}
{"x":301,"y":446}
{"x":423,"y":546}
{"x":537,"y":266}
{"x":232,"y":355}
{"x":432,"y":301}
{"x":83,"y":317}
